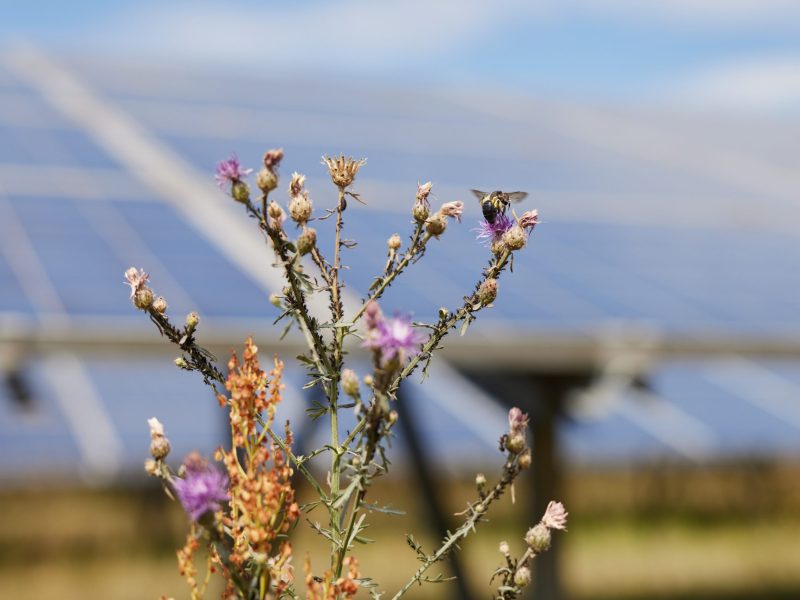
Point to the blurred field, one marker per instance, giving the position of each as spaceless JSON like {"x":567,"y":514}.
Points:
{"x":665,"y":532}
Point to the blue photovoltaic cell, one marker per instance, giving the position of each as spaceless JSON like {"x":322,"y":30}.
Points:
{"x":12,"y":297}
{"x":188,"y":409}
{"x":35,"y":440}
{"x":218,"y":287}
{"x":85,"y":273}
{"x":741,"y":428}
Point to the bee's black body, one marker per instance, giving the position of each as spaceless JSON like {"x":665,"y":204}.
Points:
{"x":497,"y":202}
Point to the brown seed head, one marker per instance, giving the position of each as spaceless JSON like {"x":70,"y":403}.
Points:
{"x":343,"y":170}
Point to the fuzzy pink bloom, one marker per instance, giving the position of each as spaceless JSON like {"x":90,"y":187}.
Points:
{"x":453,"y":209}
{"x":296,"y":184}
{"x":529,"y":219}
{"x":491,"y":232}
{"x":136,"y":278}
{"x":272,"y":158}
{"x":555,"y":517}
{"x":517,"y":421}
{"x":394,"y":337}
{"x":202,"y":489}
{"x":230,"y":171}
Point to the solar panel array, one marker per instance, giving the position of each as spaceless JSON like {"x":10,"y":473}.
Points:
{"x":678,"y":225}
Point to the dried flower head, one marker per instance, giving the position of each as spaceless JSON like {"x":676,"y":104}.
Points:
{"x":143,"y":298}
{"x":423,"y":191}
{"x":394,"y":242}
{"x":529,"y":219}
{"x":343,"y":170}
{"x":525,"y":459}
{"x":503,"y":548}
{"x":452,"y":209}
{"x":555,"y":517}
{"x":492,"y":232}
{"x":273,"y":158}
{"x":230,"y":171}
{"x":202,"y":488}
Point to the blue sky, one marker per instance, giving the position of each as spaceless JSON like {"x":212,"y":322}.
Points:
{"x":728,"y":55}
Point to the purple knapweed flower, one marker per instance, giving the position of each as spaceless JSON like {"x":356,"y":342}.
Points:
{"x":202,"y":488}
{"x":393,"y":337}
{"x":230,"y":171}
{"x":489,"y":233}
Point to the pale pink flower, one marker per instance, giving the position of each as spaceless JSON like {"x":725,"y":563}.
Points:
{"x":529,"y":219}
{"x":423,"y":191}
{"x":136,"y":278}
{"x":555,"y":517}
{"x":453,"y":209}
{"x":517,"y":421}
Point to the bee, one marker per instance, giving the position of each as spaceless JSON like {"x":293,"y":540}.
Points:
{"x":497,"y":202}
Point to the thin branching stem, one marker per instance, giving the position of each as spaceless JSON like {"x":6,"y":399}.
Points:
{"x":476,"y":515}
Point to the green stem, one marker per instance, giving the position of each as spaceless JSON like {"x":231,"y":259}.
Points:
{"x":416,"y":247}
{"x":510,"y":472}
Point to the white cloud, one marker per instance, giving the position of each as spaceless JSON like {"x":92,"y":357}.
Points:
{"x":753,"y":85}
{"x":351,"y":34}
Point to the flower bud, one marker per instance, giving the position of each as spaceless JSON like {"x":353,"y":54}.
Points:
{"x":266,"y":180}
{"x":503,"y":548}
{"x":274,"y":210}
{"x":522,"y":577}
{"x":275,"y":299}
{"x":420,"y":212}
{"x":498,"y":246}
{"x":394,"y":242}
{"x":515,"y":238}
{"x":436,"y":224}
{"x":240,"y":191}
{"x":515,"y":443}
{"x":538,"y":538}
{"x":181,"y":363}
{"x":393,"y":417}
{"x":306,"y":241}
{"x":480,"y":480}
{"x":192,"y":320}
{"x":300,"y":208}
{"x":488,"y":291}
{"x":159,"y":447}
{"x":151,"y":467}
{"x":368,"y":380}
{"x":350,"y":383}
{"x":143,"y":298}
{"x":525,"y":459}
{"x":160,"y":305}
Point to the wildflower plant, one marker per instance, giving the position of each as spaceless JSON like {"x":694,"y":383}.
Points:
{"x":241,"y":505}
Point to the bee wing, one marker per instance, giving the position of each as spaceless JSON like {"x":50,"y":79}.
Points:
{"x":517,"y":196}
{"x":479,"y":194}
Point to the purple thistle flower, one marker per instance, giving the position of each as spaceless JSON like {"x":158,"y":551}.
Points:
{"x":230,"y":171}
{"x":491,"y":232}
{"x":202,"y":488}
{"x":394,"y":337}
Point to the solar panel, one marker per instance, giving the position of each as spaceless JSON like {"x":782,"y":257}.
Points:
{"x":638,"y":245}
